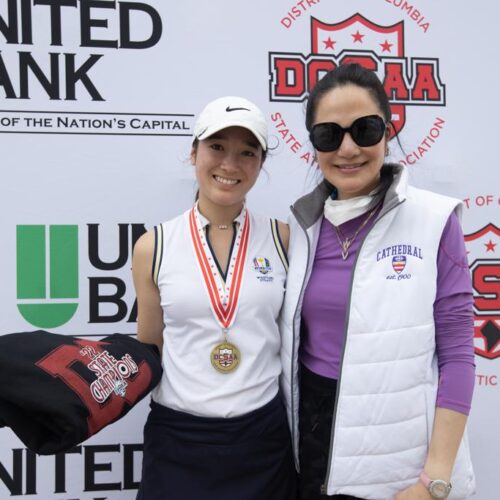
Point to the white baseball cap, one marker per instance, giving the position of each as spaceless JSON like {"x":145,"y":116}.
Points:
{"x":231,"y":111}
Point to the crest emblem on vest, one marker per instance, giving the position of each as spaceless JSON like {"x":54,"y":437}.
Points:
{"x":400,"y":256}
{"x":483,"y":250}
{"x":399,"y":263}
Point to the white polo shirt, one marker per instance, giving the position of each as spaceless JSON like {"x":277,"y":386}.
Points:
{"x":190,"y":383}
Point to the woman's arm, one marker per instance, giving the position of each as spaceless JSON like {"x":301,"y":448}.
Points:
{"x":447,"y":434}
{"x":149,"y":311}
{"x":454,"y":343}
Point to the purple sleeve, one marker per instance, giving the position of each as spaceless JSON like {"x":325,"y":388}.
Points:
{"x":454,"y":320}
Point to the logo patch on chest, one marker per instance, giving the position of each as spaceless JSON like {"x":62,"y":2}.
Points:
{"x":262,"y":266}
{"x":400,"y":257}
{"x":399,"y":263}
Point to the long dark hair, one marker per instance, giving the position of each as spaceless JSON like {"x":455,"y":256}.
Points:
{"x":348,"y":74}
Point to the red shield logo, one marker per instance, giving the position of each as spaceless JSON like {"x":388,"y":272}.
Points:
{"x":349,"y":39}
{"x":483,"y":251}
{"x":407,"y":81}
{"x":357,"y":33}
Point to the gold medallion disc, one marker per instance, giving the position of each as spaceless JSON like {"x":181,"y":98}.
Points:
{"x":225,"y":357}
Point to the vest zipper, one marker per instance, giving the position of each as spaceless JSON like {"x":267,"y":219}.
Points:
{"x":324,"y":486}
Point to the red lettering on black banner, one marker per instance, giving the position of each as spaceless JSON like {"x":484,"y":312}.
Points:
{"x":59,"y":362}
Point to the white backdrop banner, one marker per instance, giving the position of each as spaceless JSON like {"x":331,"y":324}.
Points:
{"x":97,"y":103}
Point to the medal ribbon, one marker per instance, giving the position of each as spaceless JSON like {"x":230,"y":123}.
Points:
{"x":224,"y":313}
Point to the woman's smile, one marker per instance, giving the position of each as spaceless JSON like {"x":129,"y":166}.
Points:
{"x":225,"y":180}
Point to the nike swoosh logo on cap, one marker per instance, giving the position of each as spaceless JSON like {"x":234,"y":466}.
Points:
{"x":228,"y":109}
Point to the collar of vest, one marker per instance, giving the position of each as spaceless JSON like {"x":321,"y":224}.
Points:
{"x":394,"y":181}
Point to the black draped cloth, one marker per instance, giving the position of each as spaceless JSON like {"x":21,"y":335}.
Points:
{"x":58,"y":390}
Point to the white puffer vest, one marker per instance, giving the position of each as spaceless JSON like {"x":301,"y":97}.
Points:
{"x":386,"y":393}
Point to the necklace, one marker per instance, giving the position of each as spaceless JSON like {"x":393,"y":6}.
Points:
{"x":223,"y":227}
{"x":346,"y":242}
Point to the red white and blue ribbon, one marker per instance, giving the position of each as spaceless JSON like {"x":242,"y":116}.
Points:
{"x":223,"y":296}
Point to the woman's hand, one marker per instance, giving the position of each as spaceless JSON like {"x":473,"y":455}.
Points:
{"x":416,"y":491}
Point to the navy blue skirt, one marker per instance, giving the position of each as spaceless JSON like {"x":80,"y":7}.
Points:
{"x":195,"y":458}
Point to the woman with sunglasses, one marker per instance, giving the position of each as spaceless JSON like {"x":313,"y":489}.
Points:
{"x":377,"y":326}
{"x":210,"y":286}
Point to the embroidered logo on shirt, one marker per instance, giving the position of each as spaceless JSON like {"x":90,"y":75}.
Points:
{"x":263,"y":267}
{"x":400,"y":256}
{"x":399,"y":263}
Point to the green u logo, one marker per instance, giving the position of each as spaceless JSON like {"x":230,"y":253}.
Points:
{"x":47,"y":274}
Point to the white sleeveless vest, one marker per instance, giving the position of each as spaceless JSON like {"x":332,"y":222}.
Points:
{"x":190,"y":383}
{"x":387,"y":388}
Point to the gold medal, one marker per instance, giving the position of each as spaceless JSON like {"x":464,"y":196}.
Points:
{"x":225,"y":357}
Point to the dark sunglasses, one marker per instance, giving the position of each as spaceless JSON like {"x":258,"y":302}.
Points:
{"x":365,"y":131}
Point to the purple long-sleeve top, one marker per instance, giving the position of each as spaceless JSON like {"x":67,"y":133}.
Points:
{"x":325,"y":305}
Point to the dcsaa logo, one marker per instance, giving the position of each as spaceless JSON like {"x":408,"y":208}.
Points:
{"x":485,"y":270}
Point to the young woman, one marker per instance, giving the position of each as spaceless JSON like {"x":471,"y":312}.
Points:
{"x":210,"y":285}
{"x":377,"y":323}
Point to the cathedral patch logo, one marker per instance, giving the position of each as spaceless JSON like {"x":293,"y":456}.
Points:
{"x":399,"y":263}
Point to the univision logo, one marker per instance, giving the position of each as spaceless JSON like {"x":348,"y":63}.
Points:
{"x":47,"y":273}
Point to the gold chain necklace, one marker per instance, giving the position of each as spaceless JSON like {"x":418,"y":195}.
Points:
{"x":345,"y":242}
